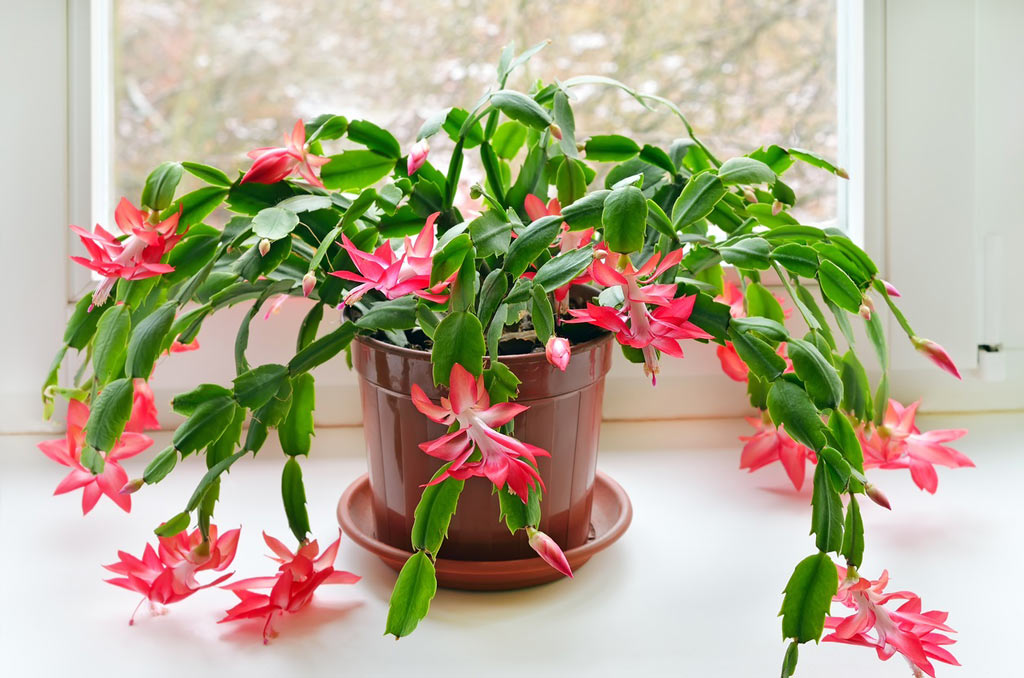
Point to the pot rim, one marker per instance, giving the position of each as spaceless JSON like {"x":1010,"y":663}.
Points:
{"x":510,"y":359}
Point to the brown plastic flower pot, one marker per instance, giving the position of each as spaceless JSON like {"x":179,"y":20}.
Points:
{"x":564,"y":418}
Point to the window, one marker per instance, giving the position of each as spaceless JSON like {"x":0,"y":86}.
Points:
{"x":208,"y":81}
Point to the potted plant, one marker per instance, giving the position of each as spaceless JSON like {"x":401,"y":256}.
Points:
{"x":471,"y":320}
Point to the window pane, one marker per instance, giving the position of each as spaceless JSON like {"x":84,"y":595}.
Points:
{"x":208,"y":81}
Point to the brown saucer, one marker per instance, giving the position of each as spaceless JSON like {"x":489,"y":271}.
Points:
{"x":611,"y":515}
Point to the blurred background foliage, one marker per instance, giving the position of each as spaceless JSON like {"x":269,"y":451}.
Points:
{"x":207,"y":80}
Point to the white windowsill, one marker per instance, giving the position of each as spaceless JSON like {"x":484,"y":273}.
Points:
{"x":692,"y":589}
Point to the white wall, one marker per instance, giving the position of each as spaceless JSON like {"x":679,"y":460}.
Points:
{"x":33,"y":174}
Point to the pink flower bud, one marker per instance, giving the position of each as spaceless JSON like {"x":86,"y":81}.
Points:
{"x":890,"y":289}
{"x":417,"y":156}
{"x":264,"y":247}
{"x":877,"y":496}
{"x":558,"y":351}
{"x":936,"y":354}
{"x":308,"y":283}
{"x":840,"y":172}
{"x":866,"y":308}
{"x":776,"y":207}
{"x":556,"y":131}
{"x":547,"y":549}
{"x":749,"y":194}
{"x":132,"y":486}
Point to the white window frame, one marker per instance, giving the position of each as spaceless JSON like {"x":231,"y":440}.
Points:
{"x":880,"y":94}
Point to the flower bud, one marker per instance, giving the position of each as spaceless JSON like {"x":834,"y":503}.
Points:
{"x":417,"y":156}
{"x":840,"y":172}
{"x":866,"y":308}
{"x":749,"y":194}
{"x":264,"y":247}
{"x":558,"y":352}
{"x":132,"y":486}
{"x":308,"y":283}
{"x":890,"y":289}
{"x":547,"y":549}
{"x":936,"y":354}
{"x":877,"y":496}
{"x":776,"y":207}
{"x":556,"y":131}
{"x":476,"y":191}
{"x":581,"y":147}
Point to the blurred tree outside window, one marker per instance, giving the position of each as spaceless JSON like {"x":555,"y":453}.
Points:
{"x":208,"y":80}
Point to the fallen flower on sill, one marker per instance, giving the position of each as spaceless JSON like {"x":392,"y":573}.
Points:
{"x":168,"y":575}
{"x":291,"y":589}
{"x":898,"y":443}
{"x":68,"y":452}
{"x":907,"y":630}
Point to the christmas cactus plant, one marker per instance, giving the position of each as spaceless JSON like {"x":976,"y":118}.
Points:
{"x":675,"y":244}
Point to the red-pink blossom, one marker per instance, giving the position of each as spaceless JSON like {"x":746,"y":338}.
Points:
{"x":291,"y":589}
{"x":144,"y":415}
{"x":567,"y":241}
{"x":178,"y":347}
{"x":395,"y":275}
{"x":898,"y":443}
{"x":558,"y":352}
{"x":504,"y":460}
{"x":936,"y":354}
{"x":417,"y":156}
{"x":918,"y":636}
{"x":771,"y":444}
{"x":634,"y":324}
{"x":168,"y":575}
{"x":547,"y":549}
{"x":732,"y":365}
{"x":67,"y":451}
{"x":275,"y":164}
{"x":135,"y":257}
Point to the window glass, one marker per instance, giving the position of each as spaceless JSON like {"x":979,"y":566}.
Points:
{"x":208,"y":81}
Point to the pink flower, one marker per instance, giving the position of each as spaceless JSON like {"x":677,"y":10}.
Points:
{"x":144,"y":414}
{"x":558,"y":352}
{"x":392,"y":275}
{"x":567,"y":241}
{"x":736,"y":369}
{"x":890,"y":289}
{"x":291,"y":589}
{"x":898,"y":443}
{"x":134,"y":258}
{"x":503,"y":458}
{"x":168,"y":576}
{"x":547,"y":549}
{"x":732,"y":365}
{"x":68,"y":452}
{"x":936,"y":354}
{"x":634,"y":325}
{"x":178,"y":347}
{"x":308,"y":283}
{"x":772,"y":444}
{"x":274,"y":305}
{"x":417,"y":156}
{"x":907,"y":630}
{"x":274,"y":164}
